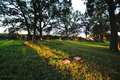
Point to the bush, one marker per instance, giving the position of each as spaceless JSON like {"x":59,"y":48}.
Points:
{"x":3,"y":36}
{"x":12,"y":36}
{"x":97,"y":39}
{"x":50,"y":37}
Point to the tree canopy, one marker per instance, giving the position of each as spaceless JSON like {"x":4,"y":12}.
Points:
{"x":95,"y":7}
{"x":57,"y":16}
{"x":34,"y":14}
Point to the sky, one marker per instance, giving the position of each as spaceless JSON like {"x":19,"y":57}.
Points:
{"x":76,"y":4}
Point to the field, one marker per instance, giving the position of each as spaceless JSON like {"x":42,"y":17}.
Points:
{"x":43,"y":60}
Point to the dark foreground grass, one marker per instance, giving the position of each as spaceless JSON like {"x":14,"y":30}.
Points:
{"x":43,"y":61}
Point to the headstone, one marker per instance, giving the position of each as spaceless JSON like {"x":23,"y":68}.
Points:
{"x":92,"y":39}
{"x":31,"y":45}
{"x":77,"y":58}
{"x":32,"y":38}
{"x":60,"y":38}
{"x":65,"y":61}
{"x":40,"y":38}
{"x":25,"y":38}
{"x":25,"y":42}
{"x":75,"y":39}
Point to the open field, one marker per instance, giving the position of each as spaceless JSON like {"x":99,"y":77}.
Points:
{"x":43,"y":60}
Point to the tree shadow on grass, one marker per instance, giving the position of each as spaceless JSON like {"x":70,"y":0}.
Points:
{"x":96,"y":57}
{"x":21,"y":62}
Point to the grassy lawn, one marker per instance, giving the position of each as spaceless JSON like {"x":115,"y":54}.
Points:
{"x":43,"y":60}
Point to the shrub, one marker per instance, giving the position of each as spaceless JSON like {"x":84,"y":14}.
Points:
{"x":3,"y":36}
{"x":13,"y":36}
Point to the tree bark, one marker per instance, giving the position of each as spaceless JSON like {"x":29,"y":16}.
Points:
{"x":114,"y":35}
{"x":66,"y":29}
{"x":34,"y":34}
{"x":28,"y":33}
{"x":103,"y":33}
{"x":99,"y":37}
{"x":27,"y":28}
{"x":40,"y":33}
{"x":26,"y":22}
{"x":35,"y":20}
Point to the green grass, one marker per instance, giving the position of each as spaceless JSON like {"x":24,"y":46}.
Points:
{"x":43,"y":61}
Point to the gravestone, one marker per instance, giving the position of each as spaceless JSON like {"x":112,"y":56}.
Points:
{"x":60,"y":38}
{"x":65,"y":61}
{"x":32,"y":38}
{"x":77,"y":58}
{"x":25,"y":38}
{"x":41,"y":39}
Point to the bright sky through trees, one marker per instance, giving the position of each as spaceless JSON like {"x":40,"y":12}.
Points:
{"x":76,"y":4}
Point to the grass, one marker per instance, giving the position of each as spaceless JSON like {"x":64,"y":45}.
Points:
{"x":43,"y":60}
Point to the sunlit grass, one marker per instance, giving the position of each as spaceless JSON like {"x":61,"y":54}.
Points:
{"x":43,"y":60}
{"x":78,"y":70}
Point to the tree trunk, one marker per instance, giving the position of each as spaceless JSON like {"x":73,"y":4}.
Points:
{"x":99,"y":37}
{"x":101,"y":24}
{"x":35,"y":20}
{"x":40,"y":33}
{"x":114,"y":35}
{"x":103,"y":37}
{"x":34,"y":34}
{"x":26,"y":22}
{"x":66,"y":29}
{"x":27,"y":28}
{"x":28,"y":34}
{"x":103,"y":33}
